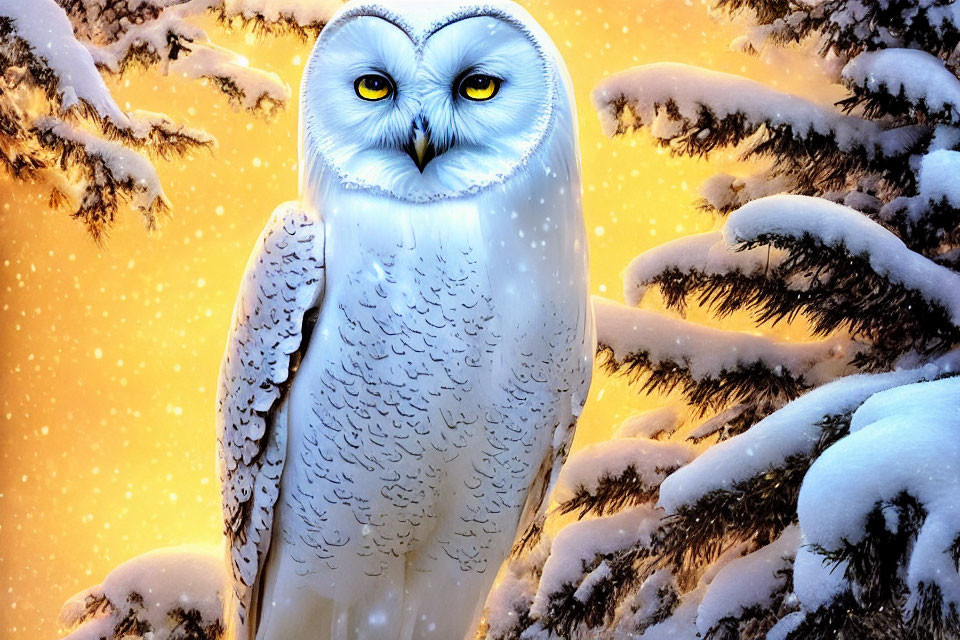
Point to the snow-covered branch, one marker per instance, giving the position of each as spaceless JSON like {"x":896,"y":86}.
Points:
{"x":181,"y":47}
{"x":839,"y":260}
{"x":696,"y":110}
{"x":608,"y":476}
{"x":60,"y":126}
{"x":793,"y":431}
{"x":898,"y":474}
{"x":693,"y":111}
{"x":578,"y":578}
{"x":928,"y":220}
{"x":833,"y":225}
{"x":711,"y":367}
{"x":692,"y":262}
{"x":904,"y":82}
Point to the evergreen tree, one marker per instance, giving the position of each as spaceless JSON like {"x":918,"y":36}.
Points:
{"x":803,"y":491}
{"x":59,"y":125}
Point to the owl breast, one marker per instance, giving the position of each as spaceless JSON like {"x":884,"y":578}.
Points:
{"x":427,"y":399}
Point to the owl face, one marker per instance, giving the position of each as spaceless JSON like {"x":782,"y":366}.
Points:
{"x":396,"y":101}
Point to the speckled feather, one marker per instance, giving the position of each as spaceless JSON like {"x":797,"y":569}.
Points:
{"x":283,"y":280}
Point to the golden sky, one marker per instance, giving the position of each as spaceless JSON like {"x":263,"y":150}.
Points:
{"x":110,"y":355}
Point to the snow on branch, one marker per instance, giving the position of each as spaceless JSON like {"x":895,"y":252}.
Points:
{"x":906,"y":82}
{"x":748,"y":586}
{"x":576,"y":578}
{"x":608,"y":476}
{"x":930,"y":220}
{"x":842,"y":28}
{"x":898,"y":467}
{"x":793,"y":431}
{"x":711,"y":367}
{"x":748,"y":485}
{"x":782,"y":220}
{"x":170,"y":39}
{"x":38,"y":38}
{"x":54,"y":54}
{"x":110,"y":173}
{"x":694,"y":256}
{"x":695,"y":110}
{"x":169,"y":594}
{"x":303,"y":18}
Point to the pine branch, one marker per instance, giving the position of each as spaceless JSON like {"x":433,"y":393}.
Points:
{"x":611,"y":494}
{"x":265,"y":19}
{"x":112,"y":37}
{"x":765,"y":11}
{"x":608,"y":476}
{"x":693,"y":112}
{"x":712,"y":368}
{"x":846,"y":272}
{"x":110,"y":175}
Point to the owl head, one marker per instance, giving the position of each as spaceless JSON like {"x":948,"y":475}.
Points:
{"x":424,"y":100}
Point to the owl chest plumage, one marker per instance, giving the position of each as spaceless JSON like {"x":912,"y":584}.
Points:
{"x":430,"y":389}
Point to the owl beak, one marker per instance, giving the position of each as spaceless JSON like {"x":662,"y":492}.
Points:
{"x":419,"y":147}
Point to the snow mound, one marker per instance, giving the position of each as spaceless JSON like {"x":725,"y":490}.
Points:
{"x":939,"y":171}
{"x":816,"y":580}
{"x":906,"y":441}
{"x":160,"y":590}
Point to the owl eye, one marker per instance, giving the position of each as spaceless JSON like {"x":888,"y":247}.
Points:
{"x":479,"y":87}
{"x":373,"y":87}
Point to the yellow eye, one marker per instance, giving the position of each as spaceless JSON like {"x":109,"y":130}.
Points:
{"x":479,"y":87}
{"x":373,"y":87}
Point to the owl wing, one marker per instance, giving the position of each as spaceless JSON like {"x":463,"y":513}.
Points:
{"x":282,"y":284}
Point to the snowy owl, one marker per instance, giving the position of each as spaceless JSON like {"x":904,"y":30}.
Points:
{"x":413,"y":340}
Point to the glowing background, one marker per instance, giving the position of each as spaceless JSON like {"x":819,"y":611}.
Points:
{"x":110,"y":357}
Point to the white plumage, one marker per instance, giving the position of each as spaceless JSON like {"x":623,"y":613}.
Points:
{"x":413,"y":341}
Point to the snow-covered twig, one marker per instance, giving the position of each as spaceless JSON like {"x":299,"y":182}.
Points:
{"x":699,"y":255}
{"x":577,"y":551}
{"x":793,"y":431}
